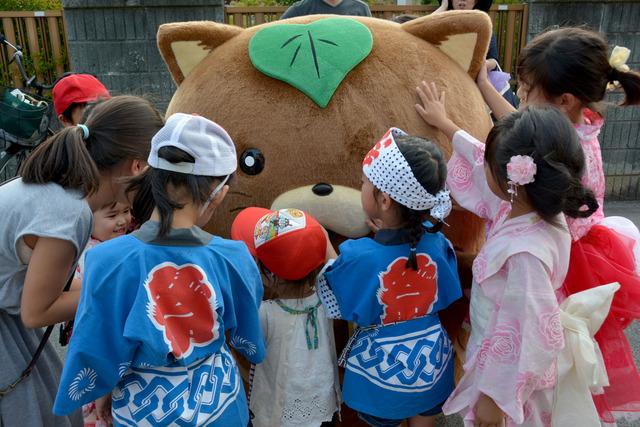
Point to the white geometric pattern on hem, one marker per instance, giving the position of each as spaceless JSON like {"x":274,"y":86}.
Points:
{"x":389,"y":172}
{"x":197,"y":394}
{"x":404,"y":363}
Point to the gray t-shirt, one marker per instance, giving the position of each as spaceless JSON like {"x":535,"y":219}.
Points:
{"x":45,"y":210}
{"x":319,"y":7}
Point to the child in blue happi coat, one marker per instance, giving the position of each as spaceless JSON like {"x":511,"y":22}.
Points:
{"x":399,"y":362}
{"x":156,"y":304}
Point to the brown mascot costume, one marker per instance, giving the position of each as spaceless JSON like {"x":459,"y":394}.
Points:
{"x":305,"y":99}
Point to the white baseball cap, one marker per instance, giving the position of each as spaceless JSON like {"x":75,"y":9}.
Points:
{"x":208,"y":143}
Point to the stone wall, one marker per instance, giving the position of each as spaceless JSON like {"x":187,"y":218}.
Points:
{"x":116,"y":41}
{"x":619,"y":20}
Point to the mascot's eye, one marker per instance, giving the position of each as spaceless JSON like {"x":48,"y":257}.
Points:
{"x":252,"y":161}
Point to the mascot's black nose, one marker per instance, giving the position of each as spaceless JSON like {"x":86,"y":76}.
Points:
{"x":322,"y":189}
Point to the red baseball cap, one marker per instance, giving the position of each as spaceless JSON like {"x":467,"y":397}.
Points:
{"x":77,"y":88}
{"x":289,"y":242}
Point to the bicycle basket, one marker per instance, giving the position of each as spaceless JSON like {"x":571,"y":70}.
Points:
{"x":23,"y":120}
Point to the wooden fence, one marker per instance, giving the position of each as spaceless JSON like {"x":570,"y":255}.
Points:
{"x":42,"y":38}
{"x":509,"y":22}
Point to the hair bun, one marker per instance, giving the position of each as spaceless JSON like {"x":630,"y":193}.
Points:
{"x":579,"y":196}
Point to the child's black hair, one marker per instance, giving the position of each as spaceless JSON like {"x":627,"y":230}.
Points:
{"x":545,"y":134}
{"x":120,"y":129}
{"x":279,"y":288}
{"x":68,"y":113}
{"x":430,"y":169}
{"x":196,"y":187}
{"x":574,"y":60}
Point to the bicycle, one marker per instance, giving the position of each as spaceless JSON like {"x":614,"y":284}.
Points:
{"x":25,"y":116}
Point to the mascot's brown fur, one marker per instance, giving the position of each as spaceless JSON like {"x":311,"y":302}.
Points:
{"x":304,"y":144}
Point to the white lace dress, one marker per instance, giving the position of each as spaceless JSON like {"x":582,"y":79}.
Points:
{"x":296,"y":384}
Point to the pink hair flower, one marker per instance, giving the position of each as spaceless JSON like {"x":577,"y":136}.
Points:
{"x":521,"y":170}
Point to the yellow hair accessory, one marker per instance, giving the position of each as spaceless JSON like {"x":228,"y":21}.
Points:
{"x":618,"y":61}
{"x":619,"y":57}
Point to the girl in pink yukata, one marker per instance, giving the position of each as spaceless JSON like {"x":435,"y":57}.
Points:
{"x":521,"y":182}
{"x":571,"y":69}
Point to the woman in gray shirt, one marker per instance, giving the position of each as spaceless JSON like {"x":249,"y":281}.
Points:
{"x":45,"y":225}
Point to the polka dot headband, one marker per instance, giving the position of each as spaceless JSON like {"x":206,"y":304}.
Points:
{"x":388,"y":171}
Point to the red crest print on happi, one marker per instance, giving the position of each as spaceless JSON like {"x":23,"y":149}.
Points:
{"x":182,"y":304}
{"x":374,"y":153}
{"x":406,"y":293}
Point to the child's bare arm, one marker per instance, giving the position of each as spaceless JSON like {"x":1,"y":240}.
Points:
{"x":76,"y":284}
{"x":432,"y":109}
{"x":43,"y":301}
{"x":499,"y":106}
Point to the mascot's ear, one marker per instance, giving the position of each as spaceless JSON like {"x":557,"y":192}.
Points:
{"x":184,"y":44}
{"x":464,"y":36}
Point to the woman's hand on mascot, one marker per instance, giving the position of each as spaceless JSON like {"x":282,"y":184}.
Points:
{"x":487,"y":413}
{"x":483,"y":75}
{"x":205,"y":216}
{"x":499,"y":106}
{"x":491,"y":64}
{"x":432,"y":109}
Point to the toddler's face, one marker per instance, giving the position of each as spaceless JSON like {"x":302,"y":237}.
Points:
{"x":111,"y":221}
{"x":463,"y":4}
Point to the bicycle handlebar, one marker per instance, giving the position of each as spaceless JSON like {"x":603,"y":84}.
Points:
{"x":17,"y":56}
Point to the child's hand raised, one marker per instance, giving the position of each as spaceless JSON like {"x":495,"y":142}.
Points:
{"x":432,"y":110}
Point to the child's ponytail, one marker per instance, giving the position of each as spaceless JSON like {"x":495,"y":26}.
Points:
{"x":430,"y":169}
{"x":574,"y":60}
{"x":630,"y":82}
{"x":115,"y":130}
{"x":65,"y":160}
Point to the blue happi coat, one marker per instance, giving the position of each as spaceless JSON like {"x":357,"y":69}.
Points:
{"x":151,"y":327}
{"x":399,"y":363}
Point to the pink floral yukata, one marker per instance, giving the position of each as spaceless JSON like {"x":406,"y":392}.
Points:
{"x":516,"y":334}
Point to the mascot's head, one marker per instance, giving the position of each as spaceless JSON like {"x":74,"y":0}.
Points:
{"x":306,"y":98}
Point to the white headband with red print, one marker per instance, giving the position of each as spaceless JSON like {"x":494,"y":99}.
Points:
{"x":388,"y":171}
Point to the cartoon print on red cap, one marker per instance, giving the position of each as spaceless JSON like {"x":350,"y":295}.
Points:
{"x":182,"y":304}
{"x":374,"y":153}
{"x":405,"y":293}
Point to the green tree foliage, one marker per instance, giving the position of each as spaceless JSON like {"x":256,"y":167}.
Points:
{"x":30,"y":5}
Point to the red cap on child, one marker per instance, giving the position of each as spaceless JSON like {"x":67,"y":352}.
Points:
{"x":77,"y":88}
{"x":289,"y":242}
